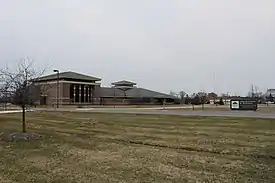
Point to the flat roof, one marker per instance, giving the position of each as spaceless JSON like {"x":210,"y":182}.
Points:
{"x":123,"y":82}
{"x":68,"y":75}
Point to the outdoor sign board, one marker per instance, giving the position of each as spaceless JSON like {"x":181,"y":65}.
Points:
{"x":244,"y":103}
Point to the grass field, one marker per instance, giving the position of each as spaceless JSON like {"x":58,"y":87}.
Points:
{"x":94,"y":147}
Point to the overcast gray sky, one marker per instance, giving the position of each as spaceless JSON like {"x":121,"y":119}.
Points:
{"x":160,"y":44}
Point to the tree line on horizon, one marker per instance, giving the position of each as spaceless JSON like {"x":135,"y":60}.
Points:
{"x":204,"y":97}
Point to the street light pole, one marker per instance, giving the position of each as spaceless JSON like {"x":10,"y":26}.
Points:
{"x":57,"y":88}
{"x":214,"y":88}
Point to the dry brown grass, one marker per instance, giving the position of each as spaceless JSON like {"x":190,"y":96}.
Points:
{"x":91,"y":147}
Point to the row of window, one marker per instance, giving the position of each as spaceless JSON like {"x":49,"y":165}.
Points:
{"x":78,"y":94}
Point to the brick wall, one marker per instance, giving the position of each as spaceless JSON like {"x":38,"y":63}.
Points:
{"x":65,"y":90}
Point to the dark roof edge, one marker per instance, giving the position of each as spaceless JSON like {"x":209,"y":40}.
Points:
{"x":68,"y":75}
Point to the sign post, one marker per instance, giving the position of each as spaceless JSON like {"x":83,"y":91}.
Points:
{"x":244,"y":103}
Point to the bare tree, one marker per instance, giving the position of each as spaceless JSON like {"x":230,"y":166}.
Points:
{"x":124,"y":90}
{"x":195,"y":100}
{"x":182,"y":97}
{"x":21,"y":86}
{"x":202,"y":98}
{"x":4,"y":95}
{"x":175,"y":94}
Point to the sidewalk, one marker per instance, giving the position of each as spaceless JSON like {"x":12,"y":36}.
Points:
{"x":13,"y":111}
{"x":133,"y":108}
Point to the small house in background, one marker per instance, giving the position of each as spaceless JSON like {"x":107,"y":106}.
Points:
{"x":71,"y":88}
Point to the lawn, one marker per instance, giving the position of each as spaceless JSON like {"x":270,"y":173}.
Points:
{"x":98,"y":147}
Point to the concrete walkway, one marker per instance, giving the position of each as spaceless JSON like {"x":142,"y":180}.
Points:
{"x":13,"y":111}
{"x":147,"y":108}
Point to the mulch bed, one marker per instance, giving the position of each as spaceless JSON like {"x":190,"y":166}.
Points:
{"x":19,"y":137}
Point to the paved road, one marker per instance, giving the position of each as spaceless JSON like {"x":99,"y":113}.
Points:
{"x":223,"y":113}
{"x":161,"y":112}
{"x":251,"y":114}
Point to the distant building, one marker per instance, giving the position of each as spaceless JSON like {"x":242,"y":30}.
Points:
{"x":212,"y":96}
{"x":75,"y":89}
{"x":270,"y":91}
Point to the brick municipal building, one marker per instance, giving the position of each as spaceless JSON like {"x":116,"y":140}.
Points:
{"x":70,"y":88}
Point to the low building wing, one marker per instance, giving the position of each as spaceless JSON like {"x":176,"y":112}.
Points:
{"x":133,"y":93}
{"x":145,"y":93}
{"x":107,"y":92}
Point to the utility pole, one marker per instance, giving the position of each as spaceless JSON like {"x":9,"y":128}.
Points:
{"x":57,"y":87}
{"x":114,"y":99}
{"x":163,"y":104}
{"x":202,"y":99}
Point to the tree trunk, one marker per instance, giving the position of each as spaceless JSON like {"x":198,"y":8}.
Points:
{"x":24,"y":119}
{"x":5,"y":104}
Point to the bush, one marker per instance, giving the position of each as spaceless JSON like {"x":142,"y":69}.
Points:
{"x":221,"y":101}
